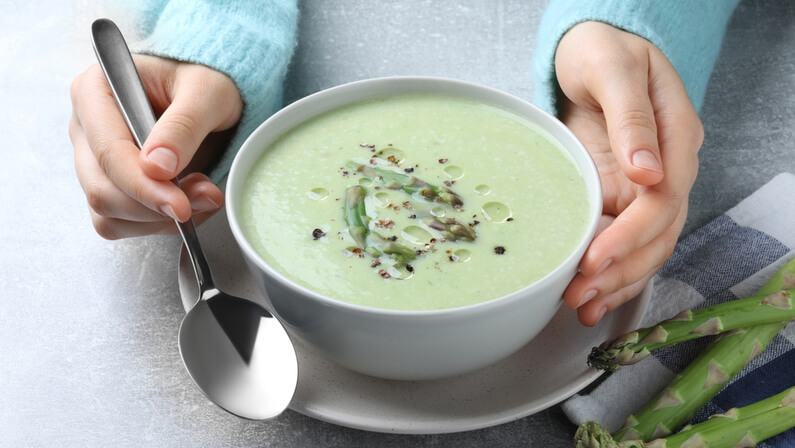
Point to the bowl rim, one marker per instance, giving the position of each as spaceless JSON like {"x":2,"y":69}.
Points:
{"x":239,"y":171}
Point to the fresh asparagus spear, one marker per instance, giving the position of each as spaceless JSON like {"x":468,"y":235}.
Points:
{"x":706,"y":375}
{"x":697,"y":384}
{"x":636,"y":345}
{"x":410,"y":184}
{"x":738,"y":427}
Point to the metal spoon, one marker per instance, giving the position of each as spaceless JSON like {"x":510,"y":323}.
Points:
{"x":235,"y":351}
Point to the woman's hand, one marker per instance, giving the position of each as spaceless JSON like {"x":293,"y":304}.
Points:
{"x":129,"y":192}
{"x":627,"y":104}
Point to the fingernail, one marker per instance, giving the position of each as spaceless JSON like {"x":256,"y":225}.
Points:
{"x":603,"y":266}
{"x":590,"y":294}
{"x":203,"y":204}
{"x":647,"y":160}
{"x":602,"y":313}
{"x":169,"y":211}
{"x":164,"y":158}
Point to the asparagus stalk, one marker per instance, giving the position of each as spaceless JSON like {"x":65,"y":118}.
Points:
{"x":451,"y":229}
{"x":707,"y":374}
{"x":738,"y":427}
{"x":410,"y":184}
{"x":636,"y":345}
{"x":371,"y":242}
{"x":697,"y":384}
{"x":356,"y":216}
{"x":383,"y":245}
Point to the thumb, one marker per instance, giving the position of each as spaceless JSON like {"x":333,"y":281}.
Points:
{"x":631,"y":126}
{"x":198,"y":108}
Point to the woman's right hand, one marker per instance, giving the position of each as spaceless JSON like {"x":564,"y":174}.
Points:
{"x":129,"y":192}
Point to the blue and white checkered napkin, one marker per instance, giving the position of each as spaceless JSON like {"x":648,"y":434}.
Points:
{"x":729,"y":258}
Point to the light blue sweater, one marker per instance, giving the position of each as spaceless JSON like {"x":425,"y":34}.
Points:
{"x":252,"y":41}
{"x":688,"y":32}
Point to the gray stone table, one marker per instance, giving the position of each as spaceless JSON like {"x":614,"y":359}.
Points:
{"x":88,"y":353}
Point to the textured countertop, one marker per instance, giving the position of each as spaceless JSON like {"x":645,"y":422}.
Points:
{"x":88,"y":353}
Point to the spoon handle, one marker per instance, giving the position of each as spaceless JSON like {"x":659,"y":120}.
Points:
{"x":117,"y":64}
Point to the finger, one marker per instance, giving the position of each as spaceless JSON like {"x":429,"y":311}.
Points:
{"x":660,"y":209}
{"x":619,"y":275}
{"x":664,"y":205}
{"x":592,"y":312}
{"x":114,"y":228}
{"x":117,"y":155}
{"x":203,"y":194}
{"x":681,"y":133}
{"x":108,"y":201}
{"x":622,"y":92}
{"x":645,"y":219}
{"x":203,"y":101}
{"x":616,"y":276}
{"x":103,"y":196}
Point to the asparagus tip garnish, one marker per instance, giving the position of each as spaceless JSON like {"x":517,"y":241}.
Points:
{"x":370,"y":242}
{"x":410,"y":184}
{"x":450,"y":228}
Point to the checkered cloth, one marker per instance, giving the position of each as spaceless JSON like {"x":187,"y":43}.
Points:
{"x":729,"y":258}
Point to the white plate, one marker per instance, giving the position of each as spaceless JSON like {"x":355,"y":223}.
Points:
{"x":546,"y":371}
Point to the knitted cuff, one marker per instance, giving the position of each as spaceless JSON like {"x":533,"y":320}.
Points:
{"x":688,"y":32}
{"x":249,"y":41}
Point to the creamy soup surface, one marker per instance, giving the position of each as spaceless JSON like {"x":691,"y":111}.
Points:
{"x":415,"y":202}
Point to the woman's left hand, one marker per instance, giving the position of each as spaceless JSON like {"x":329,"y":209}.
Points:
{"x":627,"y":104}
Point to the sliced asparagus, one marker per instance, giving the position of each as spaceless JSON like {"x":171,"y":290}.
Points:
{"x":356,"y":216}
{"x":371,"y":242}
{"x":383,"y":245}
{"x":410,"y":184}
{"x":634,"y":346}
{"x":450,"y":228}
{"x":706,"y":375}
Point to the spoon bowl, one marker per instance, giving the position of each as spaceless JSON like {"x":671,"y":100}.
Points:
{"x":239,"y":355}
{"x":235,"y":351}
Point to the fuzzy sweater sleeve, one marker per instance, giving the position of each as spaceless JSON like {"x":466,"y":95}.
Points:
{"x":688,"y":32}
{"x":251,"y":41}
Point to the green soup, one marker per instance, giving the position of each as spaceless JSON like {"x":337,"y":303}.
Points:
{"x":458,"y":202}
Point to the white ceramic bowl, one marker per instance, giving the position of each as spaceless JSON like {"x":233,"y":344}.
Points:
{"x":409,"y":345}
